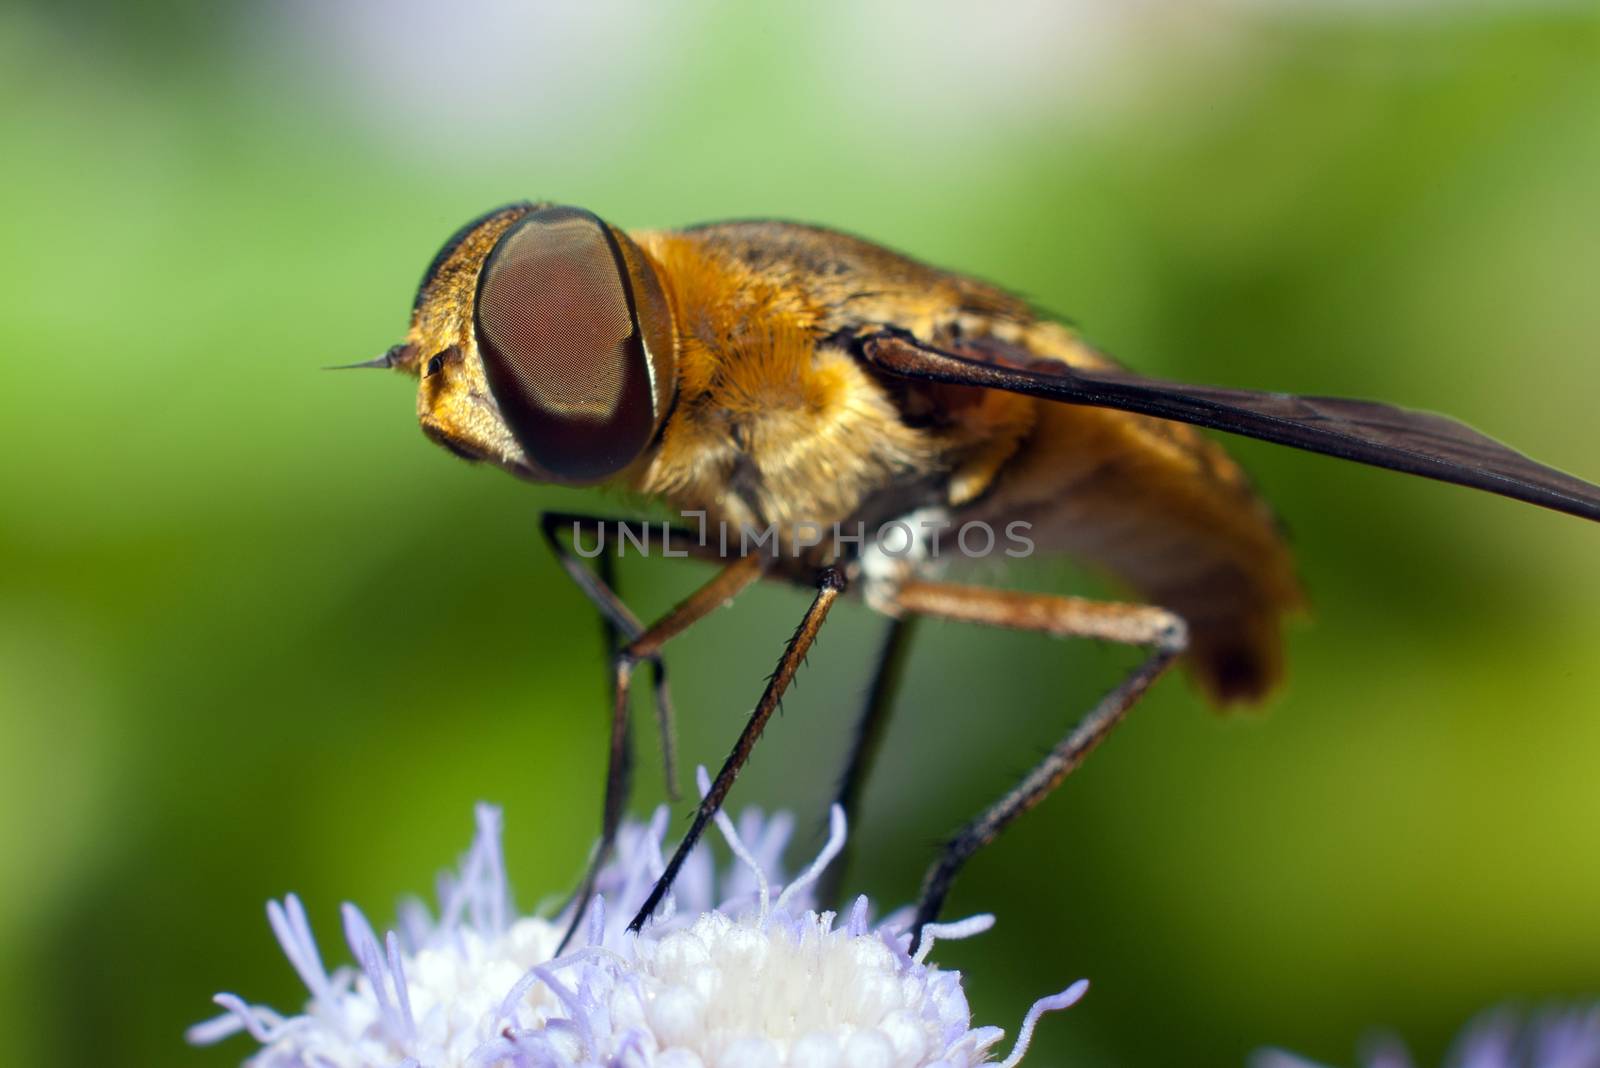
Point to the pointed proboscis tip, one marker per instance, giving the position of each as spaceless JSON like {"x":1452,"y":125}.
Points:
{"x":388,"y":358}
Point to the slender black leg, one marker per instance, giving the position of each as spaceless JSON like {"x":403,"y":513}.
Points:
{"x":1155,"y":628}
{"x":871,"y":727}
{"x":616,"y":624}
{"x":610,"y":638}
{"x":619,"y":762}
{"x":599,"y":586}
{"x":647,"y":646}
{"x":830,"y":583}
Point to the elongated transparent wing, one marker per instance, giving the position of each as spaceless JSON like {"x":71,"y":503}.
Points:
{"x":1383,"y":435}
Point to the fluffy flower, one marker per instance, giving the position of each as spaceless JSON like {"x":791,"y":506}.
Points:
{"x":1501,"y":1038}
{"x":734,"y":973}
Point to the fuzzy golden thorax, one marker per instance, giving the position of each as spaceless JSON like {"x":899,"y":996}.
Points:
{"x":770,"y":426}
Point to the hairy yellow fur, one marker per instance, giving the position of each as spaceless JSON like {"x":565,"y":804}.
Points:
{"x":807,"y":429}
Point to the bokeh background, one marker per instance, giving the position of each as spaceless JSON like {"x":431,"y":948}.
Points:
{"x":256,"y":634}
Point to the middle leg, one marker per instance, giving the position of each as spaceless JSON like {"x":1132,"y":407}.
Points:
{"x":1161,"y":631}
{"x":871,"y":726}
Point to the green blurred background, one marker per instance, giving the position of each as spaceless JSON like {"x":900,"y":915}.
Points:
{"x":256,"y":634}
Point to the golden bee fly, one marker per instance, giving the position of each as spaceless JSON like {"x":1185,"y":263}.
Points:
{"x":773,"y":375}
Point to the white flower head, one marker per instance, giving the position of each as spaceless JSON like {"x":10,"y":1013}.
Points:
{"x":734,"y":972}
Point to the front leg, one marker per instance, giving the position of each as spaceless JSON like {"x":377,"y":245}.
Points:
{"x":830,"y":584}
{"x":641,"y":644}
{"x":616,"y":620}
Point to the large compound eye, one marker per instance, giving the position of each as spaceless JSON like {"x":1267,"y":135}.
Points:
{"x":557,"y":319}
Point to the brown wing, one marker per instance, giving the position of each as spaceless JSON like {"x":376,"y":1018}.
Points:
{"x":1418,"y":443}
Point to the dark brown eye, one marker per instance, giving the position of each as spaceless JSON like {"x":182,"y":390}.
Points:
{"x":557,"y":318}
